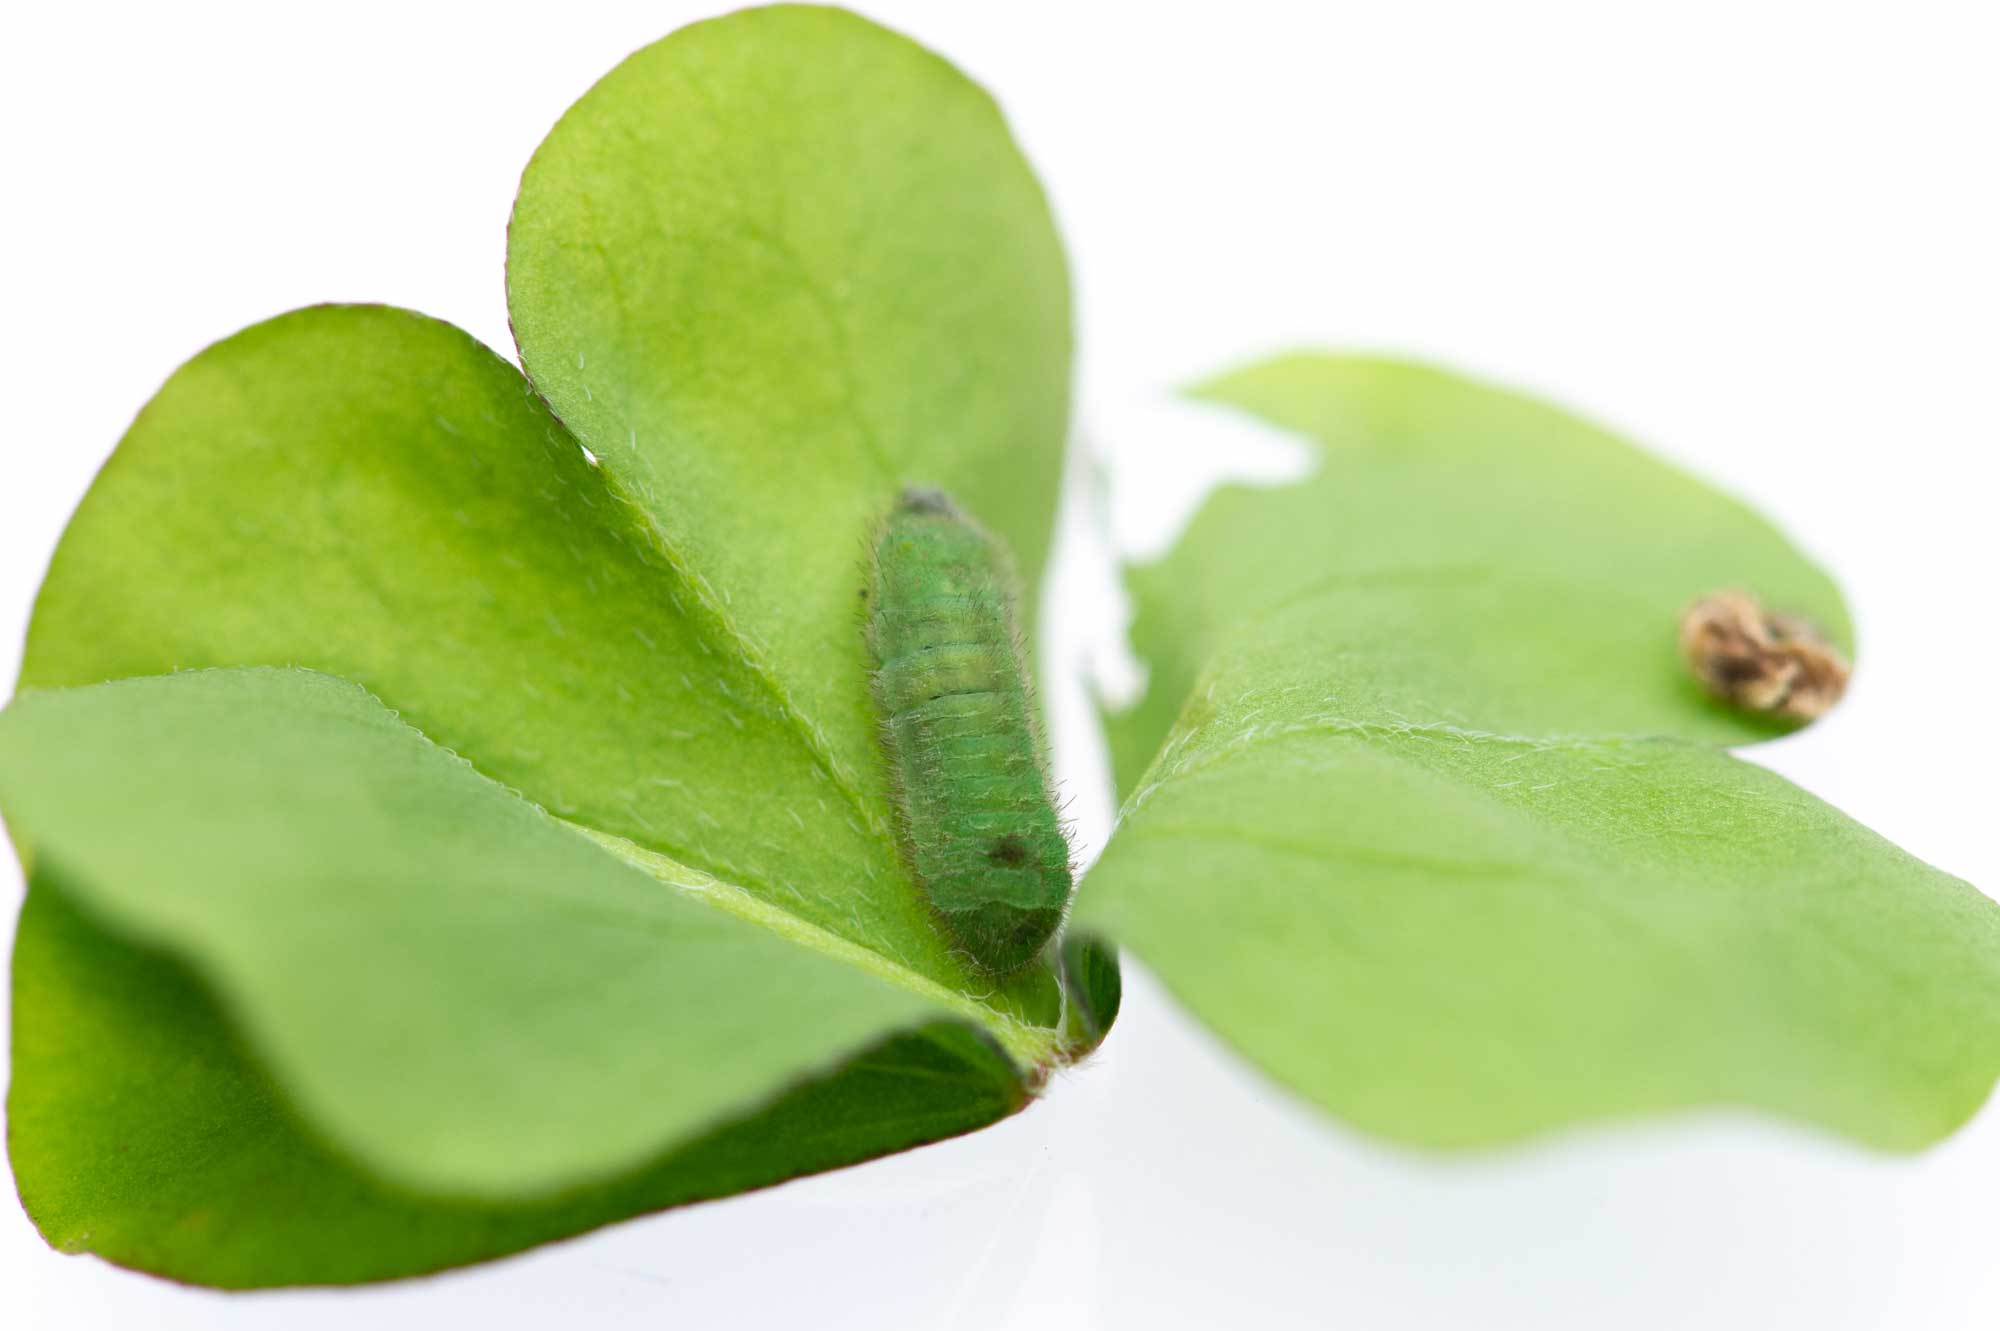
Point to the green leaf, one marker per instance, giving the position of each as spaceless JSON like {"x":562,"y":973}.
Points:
{"x":370,"y":493}
{"x":828,"y":274}
{"x":770,"y":292}
{"x":468,"y":996}
{"x":1439,"y":834}
{"x":1490,"y":561}
{"x":160,"y":1146}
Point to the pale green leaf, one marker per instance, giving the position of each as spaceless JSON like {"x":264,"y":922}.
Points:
{"x":1489,"y":560}
{"x":1439,"y":834}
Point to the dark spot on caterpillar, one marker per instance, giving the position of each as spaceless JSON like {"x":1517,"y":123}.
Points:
{"x":916,"y":499}
{"x":1008,"y":850}
{"x":977,"y":827}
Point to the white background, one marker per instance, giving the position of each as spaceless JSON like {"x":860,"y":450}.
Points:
{"x":1759,"y":237}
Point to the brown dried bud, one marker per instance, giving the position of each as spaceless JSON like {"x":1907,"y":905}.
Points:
{"x":1760,"y":660}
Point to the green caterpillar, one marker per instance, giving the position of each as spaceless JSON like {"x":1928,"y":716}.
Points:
{"x":979,"y":830}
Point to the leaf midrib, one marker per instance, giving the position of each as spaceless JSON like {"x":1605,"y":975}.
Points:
{"x":1169,"y":765}
{"x":1033,"y":1049}
{"x":1029,"y":1046}
{"x":711,"y":618}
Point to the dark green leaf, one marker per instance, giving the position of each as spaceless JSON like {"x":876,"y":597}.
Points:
{"x":160,"y":1146}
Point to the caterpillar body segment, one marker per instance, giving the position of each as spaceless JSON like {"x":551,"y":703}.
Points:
{"x":979,"y":830}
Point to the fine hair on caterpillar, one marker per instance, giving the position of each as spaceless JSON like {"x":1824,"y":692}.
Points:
{"x":976,"y":823}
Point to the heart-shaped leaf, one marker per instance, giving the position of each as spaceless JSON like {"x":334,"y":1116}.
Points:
{"x":772,"y":270}
{"x":1439,"y":833}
